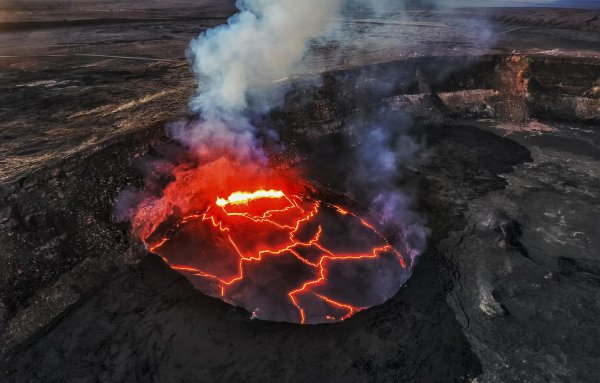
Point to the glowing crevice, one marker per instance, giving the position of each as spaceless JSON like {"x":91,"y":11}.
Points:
{"x":242,"y":200}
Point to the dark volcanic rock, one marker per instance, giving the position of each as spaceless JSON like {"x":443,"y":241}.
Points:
{"x":58,"y":237}
{"x":528,"y":265}
{"x":151,"y":325}
{"x":150,"y":322}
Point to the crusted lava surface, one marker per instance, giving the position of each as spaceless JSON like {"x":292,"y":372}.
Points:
{"x":285,"y":257}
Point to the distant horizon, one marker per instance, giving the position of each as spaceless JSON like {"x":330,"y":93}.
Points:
{"x":383,"y":5}
{"x":591,"y":4}
{"x":413,"y":4}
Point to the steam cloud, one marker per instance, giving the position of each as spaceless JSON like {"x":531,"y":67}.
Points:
{"x":236,"y":65}
{"x":260,"y":44}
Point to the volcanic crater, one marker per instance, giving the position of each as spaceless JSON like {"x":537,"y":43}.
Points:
{"x":85,"y":299}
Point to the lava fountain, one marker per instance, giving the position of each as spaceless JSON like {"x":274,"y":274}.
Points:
{"x":265,"y":240}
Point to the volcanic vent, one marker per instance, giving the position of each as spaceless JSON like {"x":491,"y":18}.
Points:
{"x":239,"y":225}
{"x":266,"y":241}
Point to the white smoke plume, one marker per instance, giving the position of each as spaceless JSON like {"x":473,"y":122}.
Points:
{"x":235,"y":62}
{"x":260,"y":44}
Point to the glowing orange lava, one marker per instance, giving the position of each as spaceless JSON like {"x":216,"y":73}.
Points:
{"x":243,"y":198}
{"x":268,"y":249}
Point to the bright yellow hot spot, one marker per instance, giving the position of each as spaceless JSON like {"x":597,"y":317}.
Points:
{"x":242,"y":198}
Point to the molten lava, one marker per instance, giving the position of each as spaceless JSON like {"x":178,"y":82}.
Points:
{"x":270,"y":246}
{"x":239,"y":198}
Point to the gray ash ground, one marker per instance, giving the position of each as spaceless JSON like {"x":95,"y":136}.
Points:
{"x":509,"y":181}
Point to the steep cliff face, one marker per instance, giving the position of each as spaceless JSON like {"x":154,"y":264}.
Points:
{"x":512,"y":82}
{"x":565,"y":89}
{"x":513,"y":88}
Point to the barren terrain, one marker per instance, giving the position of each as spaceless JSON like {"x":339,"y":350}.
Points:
{"x":506,"y":102}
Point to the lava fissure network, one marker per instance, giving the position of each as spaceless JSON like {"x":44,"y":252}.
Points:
{"x":277,"y":251}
